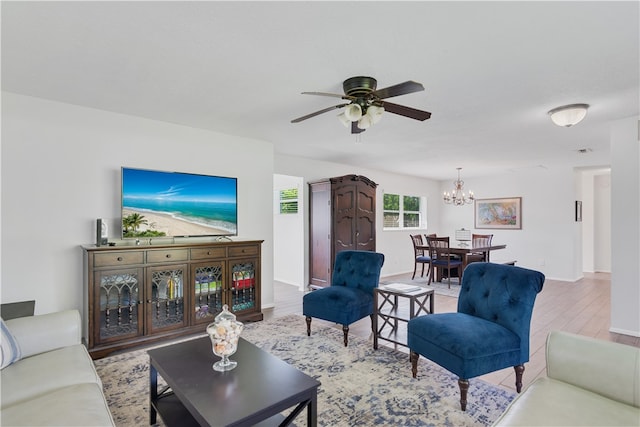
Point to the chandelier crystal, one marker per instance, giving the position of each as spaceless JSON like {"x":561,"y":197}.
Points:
{"x":457,"y":196}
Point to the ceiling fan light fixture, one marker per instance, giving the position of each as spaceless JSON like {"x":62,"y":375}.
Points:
{"x":344,"y":120}
{"x":375,"y":113}
{"x":365,"y":122}
{"x":353,"y":112}
{"x":568,"y":115}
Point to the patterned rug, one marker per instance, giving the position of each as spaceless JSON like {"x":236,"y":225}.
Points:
{"x":360,"y":386}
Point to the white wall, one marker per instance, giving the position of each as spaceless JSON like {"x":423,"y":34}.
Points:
{"x":61,"y":170}
{"x":288,"y":234}
{"x":602,"y":222}
{"x":625,"y":227}
{"x":395,"y":245}
{"x":546,"y":240}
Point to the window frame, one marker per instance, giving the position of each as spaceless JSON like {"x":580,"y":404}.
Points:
{"x":422,"y":212}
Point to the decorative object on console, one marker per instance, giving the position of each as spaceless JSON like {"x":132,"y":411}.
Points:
{"x":366,"y":105}
{"x":102,"y":232}
{"x":568,"y":115}
{"x":503,"y":213}
{"x":457,"y":196}
{"x":224,"y":333}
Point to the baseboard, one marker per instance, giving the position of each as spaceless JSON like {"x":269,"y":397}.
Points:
{"x":625,"y":332}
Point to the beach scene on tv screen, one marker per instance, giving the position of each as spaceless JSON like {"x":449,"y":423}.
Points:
{"x":168,"y":204}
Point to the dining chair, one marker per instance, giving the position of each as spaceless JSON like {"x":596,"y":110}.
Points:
{"x":479,"y":240}
{"x":442,"y":258}
{"x":350,"y":297}
{"x":420,"y":257}
{"x":490,"y":330}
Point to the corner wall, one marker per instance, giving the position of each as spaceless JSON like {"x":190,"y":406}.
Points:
{"x":625,"y":227}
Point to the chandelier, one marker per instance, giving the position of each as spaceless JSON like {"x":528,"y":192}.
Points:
{"x":457,"y":196}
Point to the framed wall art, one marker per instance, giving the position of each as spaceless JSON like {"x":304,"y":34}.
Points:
{"x":502,"y":213}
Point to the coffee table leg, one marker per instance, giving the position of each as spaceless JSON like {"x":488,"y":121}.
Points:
{"x":312,"y":410}
{"x":153,"y":394}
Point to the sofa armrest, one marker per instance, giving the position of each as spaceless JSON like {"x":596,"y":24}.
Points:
{"x":607,"y":368}
{"x":46,"y":332}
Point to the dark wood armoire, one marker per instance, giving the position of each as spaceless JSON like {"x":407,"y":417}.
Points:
{"x":342,"y":216}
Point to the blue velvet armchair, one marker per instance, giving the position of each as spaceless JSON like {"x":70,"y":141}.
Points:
{"x":350,"y":297}
{"x":490,"y":330}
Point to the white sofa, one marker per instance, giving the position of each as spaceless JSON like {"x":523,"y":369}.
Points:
{"x":54,"y":383}
{"x":589,"y":382}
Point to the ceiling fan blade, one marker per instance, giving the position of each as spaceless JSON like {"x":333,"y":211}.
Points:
{"x":399,"y":89}
{"x":317,"y":113}
{"x":355,"y":129}
{"x":333,"y":95}
{"x":402,"y":110}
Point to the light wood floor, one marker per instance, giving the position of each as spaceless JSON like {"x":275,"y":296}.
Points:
{"x":581,"y":307}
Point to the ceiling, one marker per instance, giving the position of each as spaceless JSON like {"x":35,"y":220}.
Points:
{"x":491,"y":71}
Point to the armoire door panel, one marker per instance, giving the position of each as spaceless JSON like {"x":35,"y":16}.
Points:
{"x":351,"y":218}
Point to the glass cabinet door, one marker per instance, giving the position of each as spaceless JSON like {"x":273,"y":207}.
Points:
{"x":165,"y":297}
{"x":119,"y":297}
{"x":208,"y":293}
{"x":243,"y":285}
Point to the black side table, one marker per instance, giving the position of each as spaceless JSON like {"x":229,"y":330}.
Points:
{"x":388,"y":312}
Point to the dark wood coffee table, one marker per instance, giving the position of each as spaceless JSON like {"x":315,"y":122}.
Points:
{"x":254,"y":393}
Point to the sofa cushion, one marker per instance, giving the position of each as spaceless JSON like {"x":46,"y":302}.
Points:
{"x":549,"y":402}
{"x":46,"y":372}
{"x":10,"y":348}
{"x":74,"y":405}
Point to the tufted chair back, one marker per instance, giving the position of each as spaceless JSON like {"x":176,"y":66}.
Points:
{"x":357,"y":269}
{"x":502,"y":294}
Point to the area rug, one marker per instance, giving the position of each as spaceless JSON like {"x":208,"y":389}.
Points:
{"x":359,"y":386}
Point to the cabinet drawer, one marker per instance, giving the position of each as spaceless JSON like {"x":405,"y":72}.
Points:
{"x":167,"y":255}
{"x":208,"y":253}
{"x":118,"y":258}
{"x":238,"y":251}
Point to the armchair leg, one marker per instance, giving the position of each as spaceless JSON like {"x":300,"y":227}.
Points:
{"x":345,"y":330}
{"x":519,"y":371}
{"x":308,"y":319}
{"x":413,"y":356}
{"x":464,"y":387}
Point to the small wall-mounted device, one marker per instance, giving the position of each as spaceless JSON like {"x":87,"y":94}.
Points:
{"x":102,"y":233}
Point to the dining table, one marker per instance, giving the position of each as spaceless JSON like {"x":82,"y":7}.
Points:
{"x":464,"y":249}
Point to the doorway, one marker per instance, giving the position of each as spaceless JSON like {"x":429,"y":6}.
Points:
{"x":288,"y":231}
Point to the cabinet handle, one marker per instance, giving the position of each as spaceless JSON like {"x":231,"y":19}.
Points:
{"x":119,"y":258}
{"x":168,"y":255}
{"x":208,"y":252}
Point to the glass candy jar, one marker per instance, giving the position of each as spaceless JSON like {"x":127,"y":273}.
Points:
{"x":224,"y":333}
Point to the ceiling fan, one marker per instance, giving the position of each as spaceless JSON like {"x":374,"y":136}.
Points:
{"x":366,"y":104}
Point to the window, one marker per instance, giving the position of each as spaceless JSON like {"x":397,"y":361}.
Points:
{"x":401,"y":212}
{"x":289,"y":201}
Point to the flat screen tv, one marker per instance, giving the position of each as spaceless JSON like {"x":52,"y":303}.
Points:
{"x":177,"y":204}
